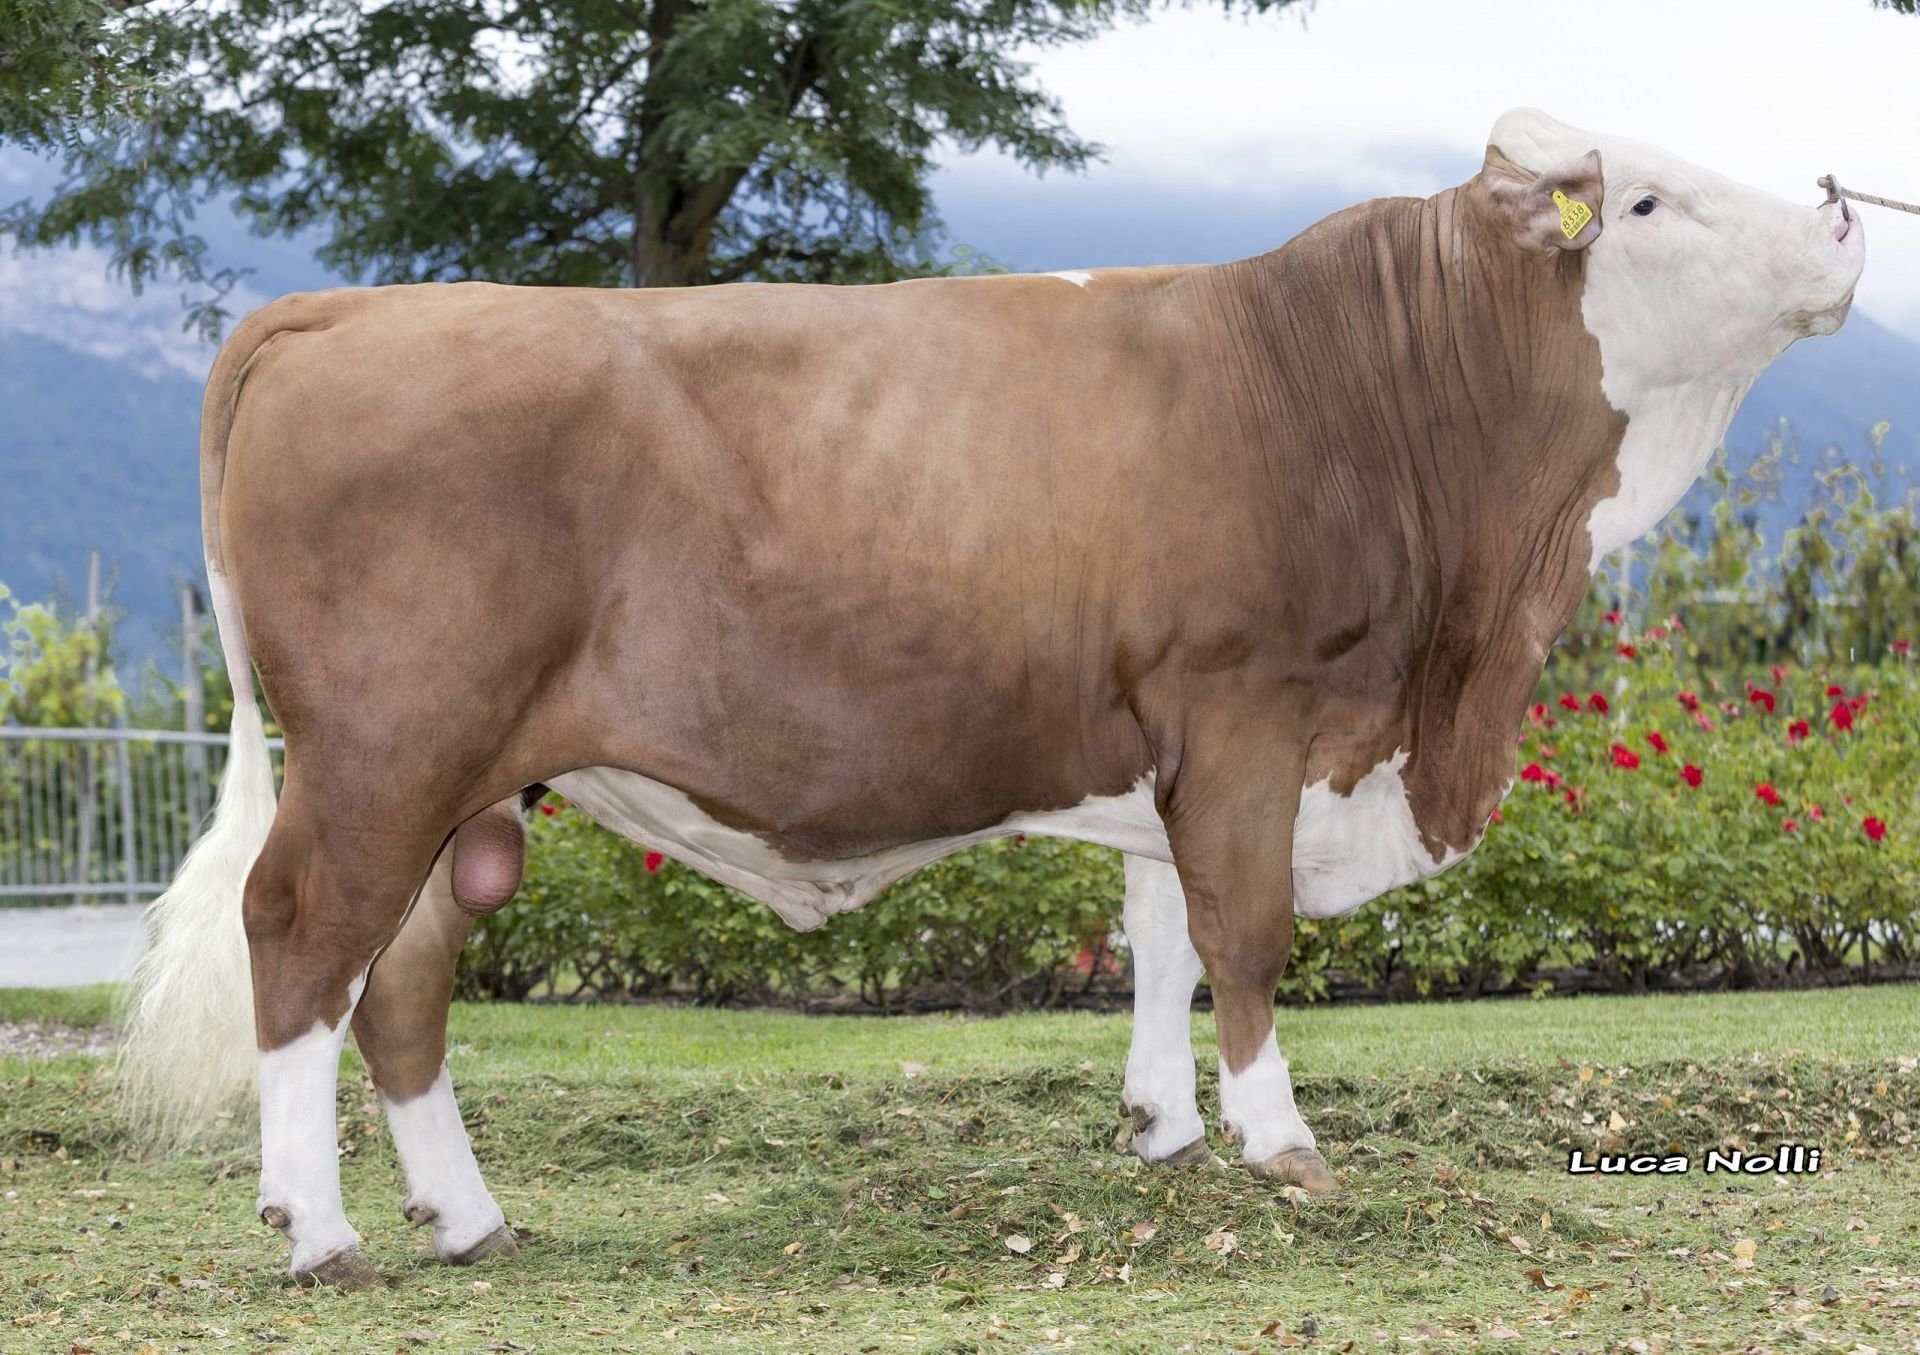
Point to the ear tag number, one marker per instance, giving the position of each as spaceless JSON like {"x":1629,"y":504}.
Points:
{"x":1574,"y":214}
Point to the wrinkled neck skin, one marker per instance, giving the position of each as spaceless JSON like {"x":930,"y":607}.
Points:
{"x":1460,"y":446}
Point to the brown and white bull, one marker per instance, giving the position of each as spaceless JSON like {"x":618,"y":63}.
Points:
{"x":1248,"y":571}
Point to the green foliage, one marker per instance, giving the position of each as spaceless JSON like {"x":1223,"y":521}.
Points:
{"x":1606,"y":859}
{"x":999,"y":925}
{"x":576,"y":142}
{"x":44,"y":667}
{"x":64,"y":65}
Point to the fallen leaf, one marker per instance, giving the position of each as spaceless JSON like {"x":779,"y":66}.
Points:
{"x":1222,"y":1241}
{"x":1616,"y":1121}
{"x":1017,"y":1244}
{"x":1142,"y":1232}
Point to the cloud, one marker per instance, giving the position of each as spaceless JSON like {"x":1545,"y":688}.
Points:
{"x":1366,"y":97}
{"x":70,"y":298}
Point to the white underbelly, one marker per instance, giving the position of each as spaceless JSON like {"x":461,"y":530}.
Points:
{"x":807,"y":893}
{"x":1347,"y":849}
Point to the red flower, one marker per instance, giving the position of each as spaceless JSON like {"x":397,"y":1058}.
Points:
{"x":1760,"y":696}
{"x":1691,"y":775}
{"x":1573,"y":800}
{"x":1629,"y":652}
{"x":1597,"y":703}
{"x":1767,"y":793}
{"x":1548,"y":752}
{"x":1019,"y":839}
{"x":1873,"y":828}
{"x":1625,"y":758}
{"x":1657,"y":741}
{"x":1816,"y":813}
{"x":1496,"y":816}
{"x":547,"y":810}
{"x":1687,"y":700}
{"x":1903,"y":647}
{"x":653,"y":862}
{"x":1834,"y":689}
{"x":1539,"y":713}
{"x":1788,"y":826}
{"x":1704,"y":722}
{"x":1673,"y":621}
{"x":1797,"y":731}
{"x":1779,"y":674}
{"x":1553,"y":780}
{"x":1568,"y":701}
{"x":1842,"y":716}
{"x":1612,"y":618}
{"x":1657,"y":633}
{"x":1533,"y":771}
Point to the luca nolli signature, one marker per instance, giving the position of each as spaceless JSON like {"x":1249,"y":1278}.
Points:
{"x":1789,"y":1159}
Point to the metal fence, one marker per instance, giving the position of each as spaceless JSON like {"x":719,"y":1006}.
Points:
{"x":101,"y":814}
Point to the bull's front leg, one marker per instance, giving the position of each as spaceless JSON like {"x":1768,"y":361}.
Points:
{"x":1162,"y":1113}
{"x":1230,"y":816}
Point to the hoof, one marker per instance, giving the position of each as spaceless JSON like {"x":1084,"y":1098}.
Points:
{"x":1195,"y":1154}
{"x":417,"y":1214}
{"x":499,"y":1242}
{"x":347,"y":1269}
{"x":1303,"y":1167}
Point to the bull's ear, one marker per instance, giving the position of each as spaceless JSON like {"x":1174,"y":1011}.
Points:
{"x":1544,"y":212}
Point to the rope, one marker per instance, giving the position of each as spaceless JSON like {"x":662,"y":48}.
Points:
{"x":1834,"y":190}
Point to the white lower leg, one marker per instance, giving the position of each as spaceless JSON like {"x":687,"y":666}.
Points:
{"x":1256,"y":1106}
{"x":1160,"y":1076}
{"x":299,"y":1147}
{"x":444,"y":1186}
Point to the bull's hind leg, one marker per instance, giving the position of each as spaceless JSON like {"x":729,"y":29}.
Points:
{"x":401,"y":1029}
{"x":1163,"y":1113}
{"x":321,"y":901}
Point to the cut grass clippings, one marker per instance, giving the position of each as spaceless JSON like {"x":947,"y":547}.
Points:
{"x":718,"y":1180}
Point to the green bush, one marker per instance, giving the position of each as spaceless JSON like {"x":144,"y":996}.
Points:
{"x":999,"y":925}
{"x":1795,"y":856}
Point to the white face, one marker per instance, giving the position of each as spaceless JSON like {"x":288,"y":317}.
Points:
{"x":1712,"y":276}
{"x":1694,"y":285}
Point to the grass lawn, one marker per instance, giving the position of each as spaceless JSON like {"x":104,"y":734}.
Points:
{"x":714,"y":1181}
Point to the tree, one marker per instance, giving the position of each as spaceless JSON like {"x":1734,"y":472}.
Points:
{"x":63,"y":64}
{"x":585,"y":142}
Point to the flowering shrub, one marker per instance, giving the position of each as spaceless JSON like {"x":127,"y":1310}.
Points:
{"x":1744,"y":830}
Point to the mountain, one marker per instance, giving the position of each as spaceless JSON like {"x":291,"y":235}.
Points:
{"x":95,"y":454}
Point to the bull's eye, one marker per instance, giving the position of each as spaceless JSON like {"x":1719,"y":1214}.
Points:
{"x":1645,"y":206}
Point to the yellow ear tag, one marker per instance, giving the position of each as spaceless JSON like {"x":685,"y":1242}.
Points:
{"x":1574,"y":214}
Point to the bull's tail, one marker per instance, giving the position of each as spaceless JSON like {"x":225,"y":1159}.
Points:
{"x":188,"y":1050}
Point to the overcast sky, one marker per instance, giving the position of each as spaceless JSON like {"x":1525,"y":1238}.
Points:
{"x":1369,"y":97}
{"x":1226,"y":134}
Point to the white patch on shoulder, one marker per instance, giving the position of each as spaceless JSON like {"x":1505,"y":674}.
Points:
{"x":1079,"y":277}
{"x":1348,"y":849}
{"x":807,"y":893}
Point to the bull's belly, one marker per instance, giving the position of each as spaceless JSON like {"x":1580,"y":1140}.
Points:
{"x":807,"y":893}
{"x":1347,"y":849}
